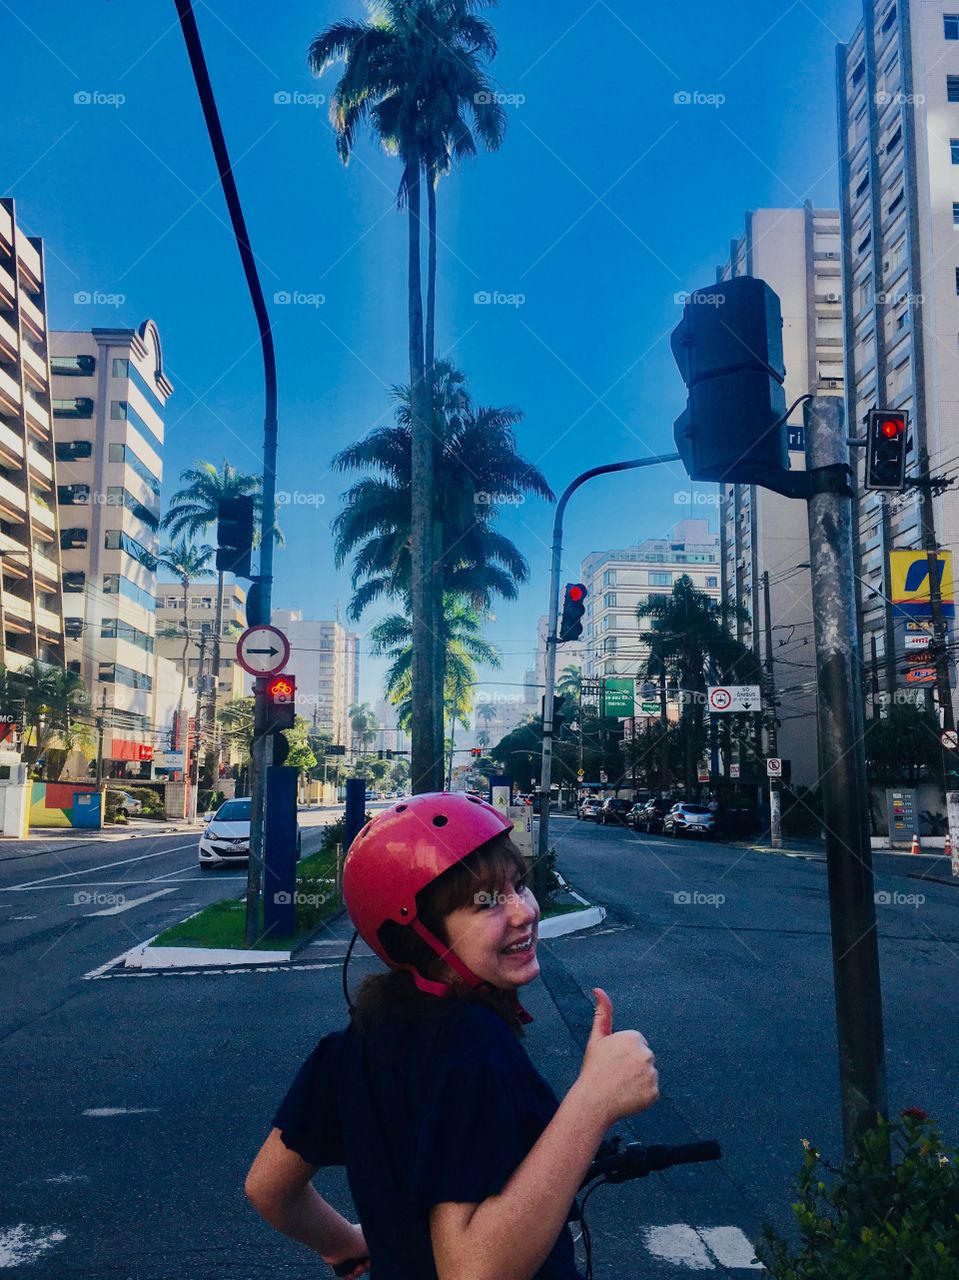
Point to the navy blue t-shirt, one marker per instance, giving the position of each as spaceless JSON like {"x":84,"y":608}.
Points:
{"x":421,"y":1111}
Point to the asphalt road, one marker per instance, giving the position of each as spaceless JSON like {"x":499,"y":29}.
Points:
{"x":141,"y":1098}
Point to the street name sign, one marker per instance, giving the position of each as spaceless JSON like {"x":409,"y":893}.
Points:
{"x":734,"y":698}
{"x":262,"y":651}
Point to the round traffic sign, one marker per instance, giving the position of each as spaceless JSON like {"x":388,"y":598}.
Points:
{"x":719,"y":699}
{"x":949,"y":739}
{"x":774,"y":766}
{"x":263,"y":650}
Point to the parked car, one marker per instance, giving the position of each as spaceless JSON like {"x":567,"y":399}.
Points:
{"x":649,"y":817}
{"x":690,"y":819}
{"x":589,"y":808}
{"x":226,"y":837}
{"x":613,"y":809}
{"x":125,"y":803}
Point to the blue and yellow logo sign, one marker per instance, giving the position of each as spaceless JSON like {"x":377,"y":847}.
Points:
{"x":910,"y":584}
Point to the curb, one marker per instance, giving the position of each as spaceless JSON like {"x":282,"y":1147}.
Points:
{"x":571,"y":922}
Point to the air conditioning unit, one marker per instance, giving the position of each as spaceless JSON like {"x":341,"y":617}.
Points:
{"x":833,"y":297}
{"x":832,"y":382}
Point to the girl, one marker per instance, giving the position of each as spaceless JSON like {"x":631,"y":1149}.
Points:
{"x":461,"y":1162}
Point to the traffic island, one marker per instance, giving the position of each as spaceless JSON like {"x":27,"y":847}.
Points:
{"x":215,"y":935}
{"x":566,"y":911}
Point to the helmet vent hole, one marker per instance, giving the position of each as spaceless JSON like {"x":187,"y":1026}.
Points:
{"x":400,"y":808}
{"x":440,"y":820}
{"x":404,"y":911}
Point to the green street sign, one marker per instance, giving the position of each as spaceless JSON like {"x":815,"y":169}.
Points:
{"x":651,"y":708}
{"x":619,"y":698}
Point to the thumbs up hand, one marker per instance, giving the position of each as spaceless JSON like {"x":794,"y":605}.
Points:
{"x":619,"y":1069}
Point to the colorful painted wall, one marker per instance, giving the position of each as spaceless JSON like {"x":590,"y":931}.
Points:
{"x":65,"y":804}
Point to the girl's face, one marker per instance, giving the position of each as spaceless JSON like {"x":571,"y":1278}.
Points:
{"x":483,"y":935}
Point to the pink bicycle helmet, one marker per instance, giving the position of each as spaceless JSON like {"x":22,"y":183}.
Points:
{"x":403,"y":850}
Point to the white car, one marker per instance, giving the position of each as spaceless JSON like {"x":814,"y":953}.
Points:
{"x":226,"y":836}
{"x":125,"y":803}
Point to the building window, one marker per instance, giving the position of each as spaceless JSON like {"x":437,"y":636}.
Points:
{"x":72,"y":539}
{"x":864,"y":244}
{"x":78,"y":407}
{"x":123,"y":453}
{"x":951,"y":24}
{"x":73,"y":495}
{"x":73,"y":366}
{"x":122,"y":409}
{"x":863,"y":185}
{"x":896,"y":201}
{"x":894,"y":141}
{"x":957,"y":280}
{"x":954,"y":150}
{"x":609,"y":600}
{"x":117,"y":540}
{"x":121,"y":368}
{"x":609,"y":578}
{"x":660,"y":579}
{"x":952,"y":88}
{"x":859,"y":71}
{"x":712,"y":582}
{"x":72,"y":450}
{"x":889,"y":19}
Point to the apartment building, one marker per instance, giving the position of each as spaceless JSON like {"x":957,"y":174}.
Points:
{"x":201,"y":626}
{"x":615,"y":642}
{"x":109,"y":394}
{"x":898,"y":95}
{"x":31,"y":611}
{"x":325,"y":660}
{"x":798,"y":253}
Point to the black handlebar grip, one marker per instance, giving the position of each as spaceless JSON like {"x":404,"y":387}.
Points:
{"x":662,"y":1157}
{"x":348,"y":1264}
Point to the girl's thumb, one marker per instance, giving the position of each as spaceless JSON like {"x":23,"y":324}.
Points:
{"x":603,"y":1017}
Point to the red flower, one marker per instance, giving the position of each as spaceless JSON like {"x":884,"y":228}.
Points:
{"x":915,"y":1113}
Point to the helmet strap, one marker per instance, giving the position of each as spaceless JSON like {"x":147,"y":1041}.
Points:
{"x":455,"y":963}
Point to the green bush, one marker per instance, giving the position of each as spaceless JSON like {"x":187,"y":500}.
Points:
{"x":892,"y":1214}
{"x":151,"y":800}
{"x":335,"y":833}
{"x":314,"y":895}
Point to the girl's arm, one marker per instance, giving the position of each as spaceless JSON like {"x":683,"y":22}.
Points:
{"x":509,"y":1236}
{"x":278,"y":1187}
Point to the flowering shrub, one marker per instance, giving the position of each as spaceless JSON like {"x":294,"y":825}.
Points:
{"x":891,"y":1214}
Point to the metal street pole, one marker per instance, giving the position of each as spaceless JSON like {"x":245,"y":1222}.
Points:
{"x":551,"y":629}
{"x":852,"y":910}
{"x":264,"y":580}
{"x":775,"y":796}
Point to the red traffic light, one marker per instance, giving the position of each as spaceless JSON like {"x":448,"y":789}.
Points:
{"x":281,"y":689}
{"x":577,"y":592}
{"x":892,"y":427}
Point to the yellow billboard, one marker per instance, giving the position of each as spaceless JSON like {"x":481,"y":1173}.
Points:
{"x":910,"y":586}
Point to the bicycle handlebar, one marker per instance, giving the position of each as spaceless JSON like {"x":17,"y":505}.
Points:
{"x":636,"y":1160}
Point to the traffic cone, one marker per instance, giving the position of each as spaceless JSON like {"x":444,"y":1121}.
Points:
{"x":915,"y":844}
{"x":947,"y":847}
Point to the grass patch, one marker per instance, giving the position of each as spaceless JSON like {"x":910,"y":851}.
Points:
{"x":222,"y":924}
{"x":561,"y":908}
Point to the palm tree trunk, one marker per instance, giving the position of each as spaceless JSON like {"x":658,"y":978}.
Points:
{"x":425,"y":767}
{"x":184,"y":725}
{"x":431,"y":275}
{"x":212,"y":758}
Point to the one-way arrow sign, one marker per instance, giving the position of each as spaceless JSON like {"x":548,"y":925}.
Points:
{"x":262,"y":651}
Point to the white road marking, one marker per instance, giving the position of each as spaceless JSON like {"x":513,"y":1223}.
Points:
{"x":22,"y":1244}
{"x":730,"y":1247}
{"x":679,"y":1244}
{"x":107,"y":1112}
{"x":102,"y":973}
{"x":105,"y":866}
{"x":128,"y":906}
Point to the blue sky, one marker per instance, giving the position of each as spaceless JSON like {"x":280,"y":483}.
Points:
{"x":607,"y":198}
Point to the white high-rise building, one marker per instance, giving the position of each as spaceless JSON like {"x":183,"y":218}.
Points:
{"x":797,"y":252}
{"x":898,"y":92}
{"x":325,"y":660}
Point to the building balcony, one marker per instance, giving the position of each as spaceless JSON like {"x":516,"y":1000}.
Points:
{"x":8,"y":292}
{"x":17,"y":607}
{"x":37,"y":418}
{"x":10,"y":398}
{"x":34,"y":367}
{"x":6,"y":231}
{"x":9,"y":340}
{"x":32,"y":318}
{"x":11,"y":447}
{"x":40,"y":466}
{"x":48,"y":621}
{"x":43,"y":516}
{"x":30,"y":268}
{"x":46,"y":570}
{"x":13,"y":501}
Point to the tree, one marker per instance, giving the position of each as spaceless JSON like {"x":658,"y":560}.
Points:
{"x":690,"y":639}
{"x":51,"y":696}
{"x":186,"y":561}
{"x":364,"y":723}
{"x":483,"y":737}
{"x":904,"y":746}
{"x":413,"y":76}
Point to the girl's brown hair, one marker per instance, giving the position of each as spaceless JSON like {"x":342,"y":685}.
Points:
{"x":488,"y":869}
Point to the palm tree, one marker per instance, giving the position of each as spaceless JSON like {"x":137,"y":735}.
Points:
{"x":569,"y":683}
{"x":410,"y":75}
{"x":51,"y":697}
{"x":690,"y":638}
{"x":364,"y":723}
{"x":186,"y":561}
{"x":391,"y":637}
{"x":483,"y":737}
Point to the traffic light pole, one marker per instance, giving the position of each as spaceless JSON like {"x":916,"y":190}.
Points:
{"x":546,"y":775}
{"x":264,"y":580}
{"x":852,"y":910}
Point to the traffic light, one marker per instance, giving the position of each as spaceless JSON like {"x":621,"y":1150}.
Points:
{"x":234,"y":535}
{"x":729,"y":349}
{"x":281,"y":702}
{"x":559,"y":712}
{"x":476,"y":751}
{"x":887,"y":436}
{"x":574,"y":606}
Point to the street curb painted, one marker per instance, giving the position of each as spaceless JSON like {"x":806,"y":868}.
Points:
{"x":144,"y":956}
{"x":571,"y":922}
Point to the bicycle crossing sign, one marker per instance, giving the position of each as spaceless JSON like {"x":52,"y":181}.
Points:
{"x":733,"y":698}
